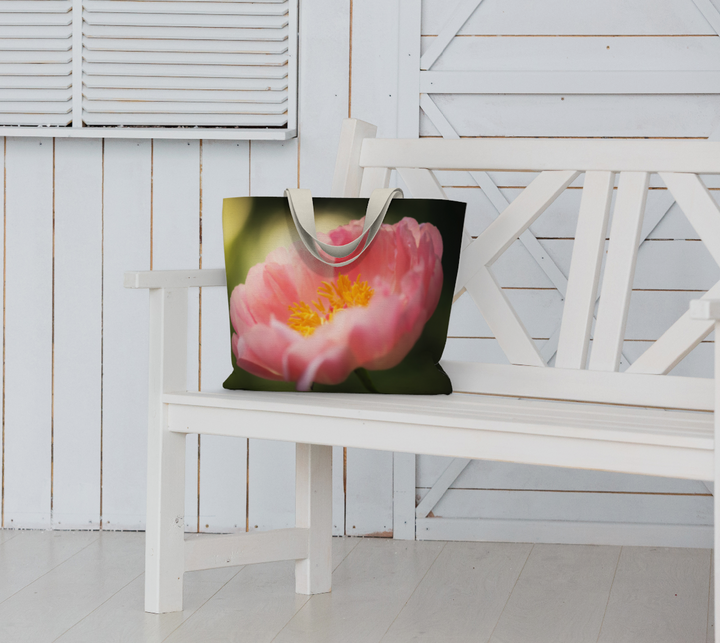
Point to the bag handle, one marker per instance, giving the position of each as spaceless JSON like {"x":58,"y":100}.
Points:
{"x":303,"y":214}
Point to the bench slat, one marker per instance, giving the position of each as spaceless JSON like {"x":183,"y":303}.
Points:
{"x":619,"y":271}
{"x":587,"y":255}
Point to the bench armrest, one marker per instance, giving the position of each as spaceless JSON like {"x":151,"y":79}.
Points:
{"x":705,"y":309}
{"x":175,"y":278}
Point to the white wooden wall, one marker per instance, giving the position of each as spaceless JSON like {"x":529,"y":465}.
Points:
{"x":77,"y":213}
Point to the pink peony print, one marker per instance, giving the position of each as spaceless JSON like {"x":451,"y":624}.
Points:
{"x":298,"y":320}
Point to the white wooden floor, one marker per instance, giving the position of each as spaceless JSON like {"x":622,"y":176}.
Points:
{"x":78,"y":587}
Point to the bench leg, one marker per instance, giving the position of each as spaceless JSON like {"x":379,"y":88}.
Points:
{"x":165,"y":529}
{"x":313,"y":511}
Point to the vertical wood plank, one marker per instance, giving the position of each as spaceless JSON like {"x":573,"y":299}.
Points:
{"x":404,"y":496}
{"x":585,"y":270}
{"x":126,"y":208}
{"x":176,"y":246}
{"x":408,"y":106}
{"x":3,"y":149}
{"x":77,"y":406}
{"x":271,"y":470}
{"x":619,"y":271}
{"x":369,"y":500}
{"x":223,"y":461}
{"x":28,"y":332}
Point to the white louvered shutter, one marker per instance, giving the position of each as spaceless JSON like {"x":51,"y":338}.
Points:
{"x":36,"y":62}
{"x":181,"y":62}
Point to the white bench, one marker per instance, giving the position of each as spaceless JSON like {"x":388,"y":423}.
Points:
{"x":582,"y":413}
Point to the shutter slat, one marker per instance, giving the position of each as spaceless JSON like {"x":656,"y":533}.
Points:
{"x":35,"y":44}
{"x":30,"y":69}
{"x":24,"y":118}
{"x":205,"y":46}
{"x":163,"y":20}
{"x":39,"y":19}
{"x":35,"y":82}
{"x":208,"y":120}
{"x":39,"y":94}
{"x":183,"y":58}
{"x":131,"y":83}
{"x":34,"y":31}
{"x":197,"y":71}
{"x":36,"y":57}
{"x":196,"y":95}
{"x":33,"y":6}
{"x":206,"y":8}
{"x":188,"y":33}
{"x":181,"y":107}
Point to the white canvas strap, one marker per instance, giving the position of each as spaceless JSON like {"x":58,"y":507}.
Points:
{"x":303,"y":214}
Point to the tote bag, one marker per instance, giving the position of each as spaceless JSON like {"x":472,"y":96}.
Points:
{"x":340,"y":294}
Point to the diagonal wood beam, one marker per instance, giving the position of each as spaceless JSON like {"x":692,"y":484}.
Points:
{"x":450,"y":29}
{"x":710,"y":13}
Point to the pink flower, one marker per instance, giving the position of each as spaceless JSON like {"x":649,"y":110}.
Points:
{"x":298,"y":320}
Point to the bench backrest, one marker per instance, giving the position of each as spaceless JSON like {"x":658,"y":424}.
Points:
{"x":365,"y":163}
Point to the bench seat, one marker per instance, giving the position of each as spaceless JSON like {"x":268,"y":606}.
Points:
{"x":675,"y":443}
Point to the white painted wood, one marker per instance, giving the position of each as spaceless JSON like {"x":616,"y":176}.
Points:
{"x":34,"y":553}
{"x":175,"y":278}
{"x":564,"y":17}
{"x":28,"y":332}
{"x":509,"y":331}
{"x":156,"y":133}
{"x":596,"y":386}
{"x":123,"y":616}
{"x":698,"y":206}
{"x":422,"y":183}
{"x":442,"y":484}
{"x":176,"y":245}
{"x":455,"y":22}
{"x":77,"y":403}
{"x":569,"y":82}
{"x":559,"y":596}
{"x":673,"y":584}
{"x":626,"y":445}
{"x":373,"y":178}
{"x":710,"y":13}
{"x":552,"y":155}
{"x":313,"y":511}
{"x":125,"y":336}
{"x":348,"y":174}
{"x":208,"y":552}
{"x":45,"y":609}
{"x":404,"y":496}
{"x":164,"y":529}
{"x":705,"y":309}
{"x":716,"y":500}
{"x":225,"y":172}
{"x":513,"y":221}
{"x":408,"y":84}
{"x":585,"y":271}
{"x":462,"y":595}
{"x":369,"y":492}
{"x":355,"y":612}
{"x":619,"y":271}
{"x":338,"y":492}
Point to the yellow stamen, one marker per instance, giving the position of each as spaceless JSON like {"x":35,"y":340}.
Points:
{"x":339,"y":295}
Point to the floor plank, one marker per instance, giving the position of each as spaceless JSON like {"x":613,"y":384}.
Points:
{"x":255,"y":605}
{"x":30,"y":554}
{"x":370,"y":588}
{"x":7,"y":534}
{"x":52,"y":604}
{"x":462,"y":596}
{"x":659,"y":595}
{"x":122,"y":618}
{"x":560,"y":596}
{"x":710,"y":637}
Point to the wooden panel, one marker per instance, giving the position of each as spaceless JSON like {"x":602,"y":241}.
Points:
{"x":176,"y":246}
{"x":579,"y":53}
{"x":565,"y":17}
{"x":28,"y":332}
{"x":578,"y":115}
{"x":223,"y":461}
{"x":619,"y":271}
{"x":77,"y":422}
{"x":125,"y":333}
